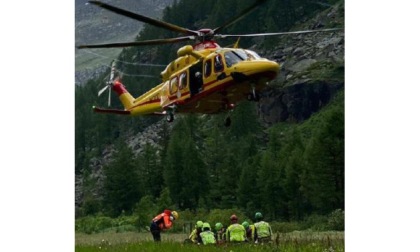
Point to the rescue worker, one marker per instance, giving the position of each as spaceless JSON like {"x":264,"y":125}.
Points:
{"x":235,"y":232}
{"x":263,"y":230}
{"x":162,"y":222}
{"x":207,"y":236}
{"x":195,"y":234}
{"x":250,"y":231}
{"x":220,"y":233}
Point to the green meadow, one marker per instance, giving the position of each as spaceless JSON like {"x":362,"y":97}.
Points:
{"x":133,"y":241}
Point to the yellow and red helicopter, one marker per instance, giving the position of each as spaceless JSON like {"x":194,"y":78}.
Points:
{"x":205,"y":78}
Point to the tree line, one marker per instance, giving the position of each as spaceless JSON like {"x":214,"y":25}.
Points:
{"x":288,"y":171}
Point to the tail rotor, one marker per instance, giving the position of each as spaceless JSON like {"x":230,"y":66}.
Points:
{"x":109,"y":84}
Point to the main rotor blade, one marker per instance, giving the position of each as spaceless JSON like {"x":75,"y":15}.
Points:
{"x":145,"y":19}
{"x":240,"y":16}
{"x":139,"y":43}
{"x":275,"y":33}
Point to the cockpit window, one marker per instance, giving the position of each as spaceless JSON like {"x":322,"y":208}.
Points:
{"x":231,"y":58}
{"x":234,"y":56}
{"x":253,"y":54}
{"x":242,"y":54}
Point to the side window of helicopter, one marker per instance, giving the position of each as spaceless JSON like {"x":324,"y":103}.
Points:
{"x":218,"y":63}
{"x":182,"y":80}
{"x":207,"y":68}
{"x":173,"y":85}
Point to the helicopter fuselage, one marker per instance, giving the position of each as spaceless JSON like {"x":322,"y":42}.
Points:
{"x":206,"y":81}
{"x":205,"y":78}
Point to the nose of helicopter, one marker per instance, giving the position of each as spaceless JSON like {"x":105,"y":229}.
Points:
{"x":256,"y":68}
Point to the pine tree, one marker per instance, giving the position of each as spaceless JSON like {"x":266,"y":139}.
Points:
{"x":323,"y":177}
{"x":248,"y":191}
{"x":150,"y":171}
{"x":121,"y":184}
{"x":185,"y":172}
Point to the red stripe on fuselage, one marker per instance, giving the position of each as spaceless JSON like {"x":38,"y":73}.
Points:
{"x":269,"y":74}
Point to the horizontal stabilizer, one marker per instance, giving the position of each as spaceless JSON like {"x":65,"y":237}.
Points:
{"x":111,"y":111}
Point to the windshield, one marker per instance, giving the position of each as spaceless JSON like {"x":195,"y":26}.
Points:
{"x":253,"y":54}
{"x":242,"y":54}
{"x":233,"y":57}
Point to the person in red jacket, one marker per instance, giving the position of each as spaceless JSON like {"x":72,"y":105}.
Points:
{"x":162,"y":222}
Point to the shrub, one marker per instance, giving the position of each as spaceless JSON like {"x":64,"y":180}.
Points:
{"x":336,"y":220}
{"x":285,"y":227}
{"x":93,"y":224}
{"x":143,"y":212}
{"x":316,"y":222}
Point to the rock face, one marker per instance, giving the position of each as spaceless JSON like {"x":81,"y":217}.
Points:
{"x":312,"y":71}
{"x":295,"y":103}
{"x":152,"y":135}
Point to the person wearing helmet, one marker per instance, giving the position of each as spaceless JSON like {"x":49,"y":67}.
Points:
{"x":162,"y":222}
{"x":263,"y":230}
{"x":220,"y":232}
{"x":235,"y":232}
{"x":250,"y":231}
{"x":195,"y":234}
{"x":207,"y":236}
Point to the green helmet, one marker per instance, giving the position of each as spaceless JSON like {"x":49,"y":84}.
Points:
{"x":218,"y":226}
{"x":258,"y":215}
{"x":245,"y":224}
{"x":206,"y":225}
{"x":199,"y":224}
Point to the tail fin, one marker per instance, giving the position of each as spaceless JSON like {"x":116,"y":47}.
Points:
{"x":125,"y":97}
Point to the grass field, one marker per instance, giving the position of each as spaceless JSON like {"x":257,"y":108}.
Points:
{"x":131,"y":241}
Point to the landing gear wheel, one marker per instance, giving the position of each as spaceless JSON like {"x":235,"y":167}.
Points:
{"x":249,"y":97}
{"x":253,"y":97}
{"x":170,"y":117}
{"x":227,"y":121}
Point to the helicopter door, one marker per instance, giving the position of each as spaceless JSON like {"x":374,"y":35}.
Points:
{"x":196,"y":79}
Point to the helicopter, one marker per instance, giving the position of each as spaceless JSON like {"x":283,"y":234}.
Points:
{"x":205,"y":78}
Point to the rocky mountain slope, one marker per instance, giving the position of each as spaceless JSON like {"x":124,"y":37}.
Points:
{"x":94,"y":25}
{"x":312,"y":70}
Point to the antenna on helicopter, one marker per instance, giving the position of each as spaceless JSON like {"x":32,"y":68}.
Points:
{"x":109,"y":83}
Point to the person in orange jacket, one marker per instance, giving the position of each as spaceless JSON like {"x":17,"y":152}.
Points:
{"x":162,"y":222}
